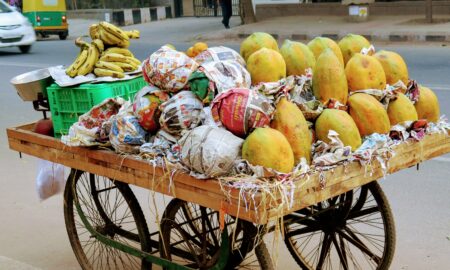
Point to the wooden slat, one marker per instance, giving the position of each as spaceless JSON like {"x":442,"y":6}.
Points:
{"x":208,"y":193}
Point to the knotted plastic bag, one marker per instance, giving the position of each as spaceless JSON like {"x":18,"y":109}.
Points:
{"x":126,"y":135}
{"x":168,"y":69}
{"x":146,"y":107}
{"x":181,"y":112}
{"x":242,"y":110}
{"x":210,"y":151}
{"x":220,"y":53}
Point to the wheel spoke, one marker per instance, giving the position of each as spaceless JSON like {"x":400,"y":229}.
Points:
{"x":290,"y":219}
{"x":340,"y":249}
{"x":364,"y":212}
{"x":324,"y":252}
{"x":303,"y":230}
{"x":362,"y":199}
{"x":352,"y":238}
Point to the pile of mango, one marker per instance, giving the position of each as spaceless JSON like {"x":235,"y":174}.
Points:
{"x":339,"y":69}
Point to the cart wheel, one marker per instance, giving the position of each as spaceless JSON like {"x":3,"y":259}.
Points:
{"x":354,"y":230}
{"x":190,"y":236}
{"x":113,"y":211}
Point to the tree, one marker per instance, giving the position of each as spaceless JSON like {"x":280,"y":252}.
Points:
{"x":247,"y":12}
{"x":429,"y":11}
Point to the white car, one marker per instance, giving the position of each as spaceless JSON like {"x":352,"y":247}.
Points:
{"x":15,"y":29}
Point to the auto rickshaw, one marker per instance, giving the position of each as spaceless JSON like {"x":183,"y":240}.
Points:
{"x":47,"y":16}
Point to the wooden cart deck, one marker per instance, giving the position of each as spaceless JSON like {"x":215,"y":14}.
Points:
{"x":208,"y":193}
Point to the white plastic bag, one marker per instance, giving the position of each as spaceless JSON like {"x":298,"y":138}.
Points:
{"x":50,"y":179}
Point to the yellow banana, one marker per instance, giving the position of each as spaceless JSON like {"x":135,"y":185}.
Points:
{"x":72,"y":70}
{"x":122,"y":51}
{"x":108,"y":65}
{"x":135,"y":34}
{"x":114,"y":30}
{"x":113,"y":57}
{"x":125,"y":66}
{"x":134,"y":61}
{"x":101,"y":72}
{"x":108,"y":38}
{"x":79,"y":42}
{"x":93,"y":31}
{"x":99,"y":44}
{"x":124,"y":43}
{"x":89,"y":64}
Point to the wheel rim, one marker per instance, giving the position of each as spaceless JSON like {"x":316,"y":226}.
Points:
{"x":107,"y":209}
{"x":191,"y":237}
{"x":350,"y":231}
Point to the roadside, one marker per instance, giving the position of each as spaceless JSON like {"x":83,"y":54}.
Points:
{"x":177,"y":30}
{"x":377,"y":28}
{"x":7,"y":263}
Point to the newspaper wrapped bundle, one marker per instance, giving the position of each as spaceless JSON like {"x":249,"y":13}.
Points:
{"x":218,"y":54}
{"x":90,"y":128}
{"x":242,"y":110}
{"x":126,"y":135}
{"x":146,"y":107}
{"x":210,"y":151}
{"x":217,"y":77}
{"x":181,"y":112}
{"x":168,"y":69}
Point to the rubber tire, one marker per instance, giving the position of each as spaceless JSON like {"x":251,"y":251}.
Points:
{"x":63,"y":36}
{"x":263,"y":255}
{"x":25,"y":48}
{"x":247,"y":238}
{"x":389,"y":228}
{"x":135,"y":209}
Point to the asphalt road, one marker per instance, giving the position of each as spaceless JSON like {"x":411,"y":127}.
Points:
{"x":33,"y":232}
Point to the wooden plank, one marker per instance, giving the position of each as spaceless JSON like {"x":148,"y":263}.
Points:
{"x":208,"y":193}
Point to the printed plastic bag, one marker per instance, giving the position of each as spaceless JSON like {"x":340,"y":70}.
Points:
{"x":210,"y":151}
{"x":217,"y":54}
{"x":88,"y":131}
{"x":216,"y":77}
{"x":146,"y":107}
{"x":50,"y":179}
{"x":182,"y":112}
{"x":242,"y":110}
{"x":168,"y":69}
{"x":126,"y":135}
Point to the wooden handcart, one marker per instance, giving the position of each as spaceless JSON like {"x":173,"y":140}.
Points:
{"x":343,"y":221}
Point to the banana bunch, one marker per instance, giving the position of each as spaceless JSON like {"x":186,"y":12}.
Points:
{"x":107,"y":54}
{"x":114,"y":61}
{"x":86,"y":59}
{"x":112,"y":35}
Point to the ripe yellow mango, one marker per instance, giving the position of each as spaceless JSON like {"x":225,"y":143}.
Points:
{"x":266,"y":65}
{"x":365,"y":72}
{"x":401,"y":110}
{"x":289,"y":120}
{"x":256,"y":41}
{"x":319,"y":44}
{"x":269,"y":148}
{"x":329,"y":79}
{"x":368,"y":113}
{"x":342,"y":123}
{"x":351,"y":44}
{"x":427,"y":106}
{"x":298,"y":57}
{"x":394,"y":67}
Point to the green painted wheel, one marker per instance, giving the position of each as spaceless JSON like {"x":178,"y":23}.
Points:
{"x":190,"y":236}
{"x":113,"y":211}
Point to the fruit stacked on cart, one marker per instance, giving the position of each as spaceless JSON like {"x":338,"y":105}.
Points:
{"x":264,"y":112}
{"x":105,"y":58}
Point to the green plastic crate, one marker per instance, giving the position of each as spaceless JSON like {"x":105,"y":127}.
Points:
{"x":68,"y":103}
